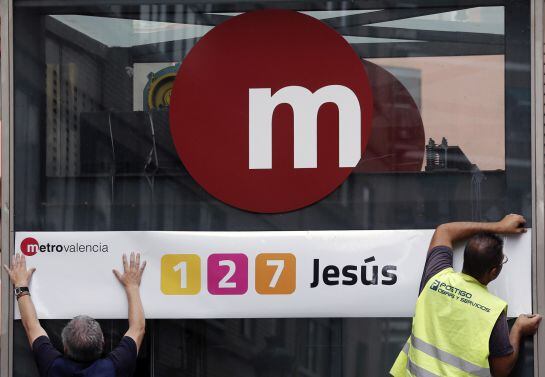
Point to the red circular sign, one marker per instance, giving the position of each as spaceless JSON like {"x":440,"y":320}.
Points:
{"x":29,"y":246}
{"x":278,"y":68}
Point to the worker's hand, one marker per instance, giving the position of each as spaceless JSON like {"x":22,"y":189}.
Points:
{"x":133,"y":271}
{"x":18,"y":273}
{"x":512,"y":224}
{"x":528,"y":323}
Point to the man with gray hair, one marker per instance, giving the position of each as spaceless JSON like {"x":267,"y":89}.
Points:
{"x":82,"y":337}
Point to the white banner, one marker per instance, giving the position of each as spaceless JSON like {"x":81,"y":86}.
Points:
{"x":249,"y":274}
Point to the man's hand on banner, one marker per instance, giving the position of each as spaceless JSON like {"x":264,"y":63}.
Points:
{"x":512,"y":224}
{"x":449,"y":233}
{"x":528,"y":324}
{"x":132,"y":271}
{"x":19,"y":275}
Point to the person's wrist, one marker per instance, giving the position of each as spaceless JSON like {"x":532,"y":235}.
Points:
{"x":132,"y":287}
{"x":21,"y":295}
{"x":517,"y":331}
{"x":20,"y":284}
{"x":495,"y":227}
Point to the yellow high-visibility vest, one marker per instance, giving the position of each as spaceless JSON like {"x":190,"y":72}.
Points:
{"x":454,"y":317}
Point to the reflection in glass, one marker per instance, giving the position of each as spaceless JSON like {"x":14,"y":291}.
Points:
{"x":93,"y":152}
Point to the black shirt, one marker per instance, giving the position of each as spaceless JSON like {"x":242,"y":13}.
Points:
{"x":440,"y":258}
{"x":51,"y":363}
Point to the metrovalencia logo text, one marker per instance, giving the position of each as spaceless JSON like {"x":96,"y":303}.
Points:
{"x":30,"y":246}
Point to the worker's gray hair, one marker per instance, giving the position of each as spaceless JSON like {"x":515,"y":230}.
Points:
{"x":83,"y":339}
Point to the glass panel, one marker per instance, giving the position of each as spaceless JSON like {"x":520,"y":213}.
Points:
{"x":94,"y":98}
{"x":93,"y":152}
{"x":350,"y":347}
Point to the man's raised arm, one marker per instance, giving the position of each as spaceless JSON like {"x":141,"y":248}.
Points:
{"x":20,"y":277}
{"x":130,"y":279}
{"x":449,"y":233}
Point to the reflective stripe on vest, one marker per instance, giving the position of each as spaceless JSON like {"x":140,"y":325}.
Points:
{"x":443,"y":356}
{"x":418,"y":371}
{"x":414,"y":369}
{"x":449,"y":358}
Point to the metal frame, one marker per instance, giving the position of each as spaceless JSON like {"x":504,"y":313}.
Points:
{"x":6,"y":344}
{"x":538,"y":129}
{"x":538,"y":181}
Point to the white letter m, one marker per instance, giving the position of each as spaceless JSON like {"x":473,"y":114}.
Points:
{"x":305,"y":105}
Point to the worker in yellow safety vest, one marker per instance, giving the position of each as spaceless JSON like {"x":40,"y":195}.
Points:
{"x":459,"y":328}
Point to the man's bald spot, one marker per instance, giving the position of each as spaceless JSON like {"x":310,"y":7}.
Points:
{"x":483,"y":252}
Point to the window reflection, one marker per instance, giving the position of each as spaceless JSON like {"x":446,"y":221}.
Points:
{"x":93,"y":152}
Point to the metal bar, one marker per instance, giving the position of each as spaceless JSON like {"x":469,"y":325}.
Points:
{"x":187,"y":17}
{"x":77,"y":39}
{"x":414,"y":49}
{"x":62,"y":3}
{"x":538,"y":188}
{"x":6,"y":345}
{"x":179,"y":49}
{"x":164,"y":50}
{"x":246,"y":5}
{"x":421,"y":35}
{"x":211,"y":19}
{"x":384,"y":15}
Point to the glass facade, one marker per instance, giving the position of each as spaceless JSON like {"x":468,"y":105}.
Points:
{"x":451,"y":141}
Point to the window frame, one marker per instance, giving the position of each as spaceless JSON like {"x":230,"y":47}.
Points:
{"x":7,"y":226}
